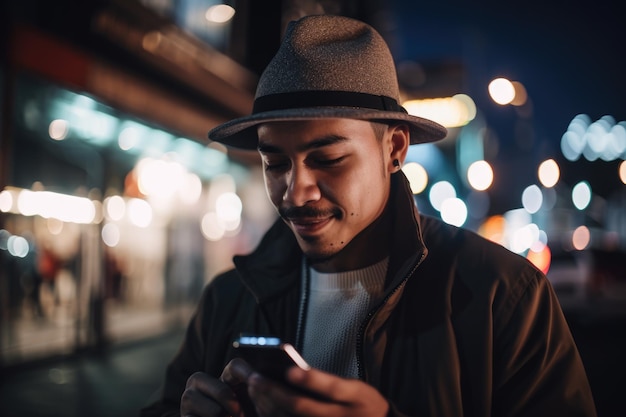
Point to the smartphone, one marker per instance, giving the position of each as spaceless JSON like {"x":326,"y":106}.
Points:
{"x":269,"y":355}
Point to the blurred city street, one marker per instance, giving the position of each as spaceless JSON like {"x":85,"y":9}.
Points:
{"x":116,"y":382}
{"x":116,"y":209}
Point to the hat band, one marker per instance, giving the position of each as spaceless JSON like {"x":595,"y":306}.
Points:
{"x":300,"y":99}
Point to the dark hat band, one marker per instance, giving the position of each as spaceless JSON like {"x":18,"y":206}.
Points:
{"x":301,"y":99}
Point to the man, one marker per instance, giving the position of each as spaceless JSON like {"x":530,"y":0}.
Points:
{"x":398,"y":314}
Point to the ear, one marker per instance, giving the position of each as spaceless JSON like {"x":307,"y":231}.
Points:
{"x":399,"y":139}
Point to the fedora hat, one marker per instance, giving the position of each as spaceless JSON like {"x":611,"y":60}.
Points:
{"x":327,"y":67}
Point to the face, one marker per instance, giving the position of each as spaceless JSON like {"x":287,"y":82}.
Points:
{"x":328,"y":179}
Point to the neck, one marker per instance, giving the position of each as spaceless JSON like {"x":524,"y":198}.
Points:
{"x":367,"y":248}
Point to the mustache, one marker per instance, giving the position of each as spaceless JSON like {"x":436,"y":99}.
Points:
{"x":290,"y":213}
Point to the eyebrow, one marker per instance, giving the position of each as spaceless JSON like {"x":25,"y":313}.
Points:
{"x":314,"y":144}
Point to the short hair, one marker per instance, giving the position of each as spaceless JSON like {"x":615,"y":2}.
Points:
{"x":379,"y":129}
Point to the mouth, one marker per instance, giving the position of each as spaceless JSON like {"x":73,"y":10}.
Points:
{"x":307,"y":221}
{"x":309,"y":225}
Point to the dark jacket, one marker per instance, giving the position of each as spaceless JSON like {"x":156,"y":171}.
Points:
{"x":466,"y":328}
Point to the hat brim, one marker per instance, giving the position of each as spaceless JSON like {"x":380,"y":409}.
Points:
{"x":241,"y":133}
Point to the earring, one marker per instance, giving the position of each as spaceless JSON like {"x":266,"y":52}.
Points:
{"x":396,"y":163}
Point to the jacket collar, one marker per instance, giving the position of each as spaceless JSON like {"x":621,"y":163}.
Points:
{"x":275,"y":265}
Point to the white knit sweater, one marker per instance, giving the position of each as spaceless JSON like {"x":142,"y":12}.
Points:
{"x":338,"y":304}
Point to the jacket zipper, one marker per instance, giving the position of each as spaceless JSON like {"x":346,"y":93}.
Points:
{"x":368,"y":318}
{"x":304,"y":301}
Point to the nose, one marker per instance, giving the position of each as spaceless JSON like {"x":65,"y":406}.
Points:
{"x":302,"y":187}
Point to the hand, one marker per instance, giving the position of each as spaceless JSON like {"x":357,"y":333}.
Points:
{"x":205,"y":396}
{"x":343,"y":397}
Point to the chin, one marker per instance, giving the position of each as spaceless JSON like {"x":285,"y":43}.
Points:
{"x":318,"y":250}
{"x":316,"y":254}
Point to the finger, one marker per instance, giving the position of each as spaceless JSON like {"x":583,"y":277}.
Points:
{"x":275,"y":399}
{"x":205,"y":391}
{"x":268,"y":396}
{"x":236,"y":372}
{"x":193,"y":403}
{"x":345,"y":396}
{"x":323,"y":384}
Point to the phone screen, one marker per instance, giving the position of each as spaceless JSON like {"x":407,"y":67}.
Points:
{"x":269,"y":355}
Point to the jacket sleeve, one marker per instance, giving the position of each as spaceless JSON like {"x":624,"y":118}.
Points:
{"x":537,"y":367}
{"x":187,"y":360}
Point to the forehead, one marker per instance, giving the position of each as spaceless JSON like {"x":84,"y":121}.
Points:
{"x":325,"y":131}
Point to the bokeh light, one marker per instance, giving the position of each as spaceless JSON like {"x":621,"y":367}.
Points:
{"x":158,"y":177}
{"x":603,"y":139}
{"x":524,"y":238}
{"x":532,"y":199}
{"x":139,"y":212}
{"x":128,"y":138}
{"x":480,"y":175}
{"x":114,"y":207}
{"x":58,"y":129}
{"x":212,"y":227}
{"x":501,"y":91}
{"x":4,"y":239}
{"x":581,"y":195}
{"x":18,"y":246}
{"x":111,"y":234}
{"x":541,"y":258}
{"x":63,"y":207}
{"x":450,"y":112}
{"x":228,"y":208}
{"x":191,"y":189}
{"x":6,"y":201}
{"x":549,"y":173}
{"x":219,"y":13}
{"x":417,"y":176}
{"x":493,"y":229}
{"x":581,"y":238}
{"x":439,"y":192}
{"x":453,"y":211}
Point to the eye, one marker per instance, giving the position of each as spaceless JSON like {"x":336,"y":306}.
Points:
{"x":275,"y":165}
{"x":328,"y":162}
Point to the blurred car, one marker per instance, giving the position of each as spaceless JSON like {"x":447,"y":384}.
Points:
{"x":591,"y":283}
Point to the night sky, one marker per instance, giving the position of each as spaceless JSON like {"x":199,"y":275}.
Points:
{"x":569,"y":56}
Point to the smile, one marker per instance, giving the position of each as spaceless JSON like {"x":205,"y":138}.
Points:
{"x":308,"y":226}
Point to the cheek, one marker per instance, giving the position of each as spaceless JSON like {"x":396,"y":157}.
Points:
{"x":365,"y":190}
{"x":348,"y":189}
{"x":274,"y":191}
